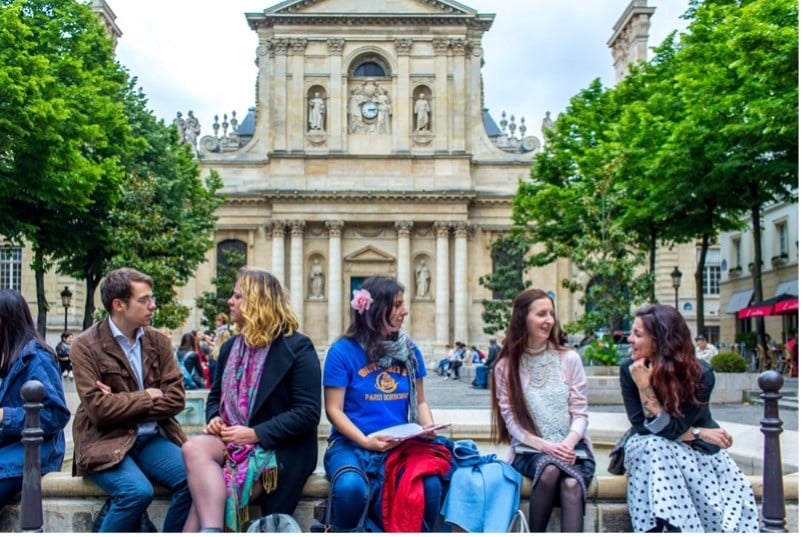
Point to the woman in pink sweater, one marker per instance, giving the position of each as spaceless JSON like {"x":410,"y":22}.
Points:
{"x":540,"y":407}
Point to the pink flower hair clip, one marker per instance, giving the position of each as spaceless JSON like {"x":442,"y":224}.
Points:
{"x":362,"y":300}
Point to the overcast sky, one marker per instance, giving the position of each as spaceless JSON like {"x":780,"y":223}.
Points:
{"x":199,"y":54}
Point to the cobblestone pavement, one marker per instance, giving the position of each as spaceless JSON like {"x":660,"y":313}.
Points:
{"x":452,"y":394}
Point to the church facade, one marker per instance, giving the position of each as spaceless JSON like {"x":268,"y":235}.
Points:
{"x":369,"y":153}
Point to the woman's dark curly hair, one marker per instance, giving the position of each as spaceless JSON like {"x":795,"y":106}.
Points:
{"x":676,"y":372}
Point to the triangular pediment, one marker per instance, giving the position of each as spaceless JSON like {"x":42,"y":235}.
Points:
{"x":369,"y":254}
{"x":363,"y":7}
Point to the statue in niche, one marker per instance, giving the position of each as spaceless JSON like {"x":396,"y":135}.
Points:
{"x":317,"y":113}
{"x":384,"y":111}
{"x":192,"y":128}
{"x":421,"y":114}
{"x":316,"y":280}
{"x":422,"y":279}
{"x":547,"y":125}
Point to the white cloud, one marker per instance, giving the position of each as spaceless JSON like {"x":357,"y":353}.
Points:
{"x":199,"y":54}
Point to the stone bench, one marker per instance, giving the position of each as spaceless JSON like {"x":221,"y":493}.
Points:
{"x":71,"y":503}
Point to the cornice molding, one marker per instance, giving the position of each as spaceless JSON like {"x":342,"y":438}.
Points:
{"x":257,"y":21}
{"x":254,"y":198}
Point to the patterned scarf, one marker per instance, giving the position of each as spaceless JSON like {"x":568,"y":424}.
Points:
{"x":244,"y":464}
{"x":400,"y":350}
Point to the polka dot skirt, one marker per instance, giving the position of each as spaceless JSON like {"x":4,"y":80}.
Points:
{"x":671,"y":483}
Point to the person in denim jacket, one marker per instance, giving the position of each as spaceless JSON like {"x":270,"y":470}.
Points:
{"x":25,"y":356}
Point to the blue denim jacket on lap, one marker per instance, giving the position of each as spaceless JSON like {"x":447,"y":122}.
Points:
{"x":34,"y":363}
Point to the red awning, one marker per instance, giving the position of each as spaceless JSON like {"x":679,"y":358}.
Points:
{"x":777,"y":305}
{"x":755,"y":311}
{"x":785,"y":306}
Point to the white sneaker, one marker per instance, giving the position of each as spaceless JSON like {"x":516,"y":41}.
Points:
{"x":70,"y":374}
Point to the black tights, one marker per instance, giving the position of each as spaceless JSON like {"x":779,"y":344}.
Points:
{"x":542,"y":498}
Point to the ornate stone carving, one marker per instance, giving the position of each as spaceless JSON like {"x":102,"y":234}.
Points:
{"x":403,"y":46}
{"x":475,"y":47}
{"x":297,"y":228}
{"x":298,"y":46}
{"x":422,"y":279}
{"x":277,"y":229}
{"x":458,"y":46}
{"x":228,"y":141}
{"x":280,"y":47}
{"x":461,"y":229}
{"x":442,"y":229}
{"x":264,"y":48}
{"x":335,"y":46}
{"x":440,"y":46}
{"x":370,"y":109}
{"x":403,"y":228}
{"x":335,"y":228}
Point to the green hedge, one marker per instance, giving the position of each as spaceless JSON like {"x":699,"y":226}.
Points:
{"x":729,"y":362}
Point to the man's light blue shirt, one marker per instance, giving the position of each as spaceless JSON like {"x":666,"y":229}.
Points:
{"x":134,"y":355}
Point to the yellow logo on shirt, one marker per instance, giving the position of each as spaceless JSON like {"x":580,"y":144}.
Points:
{"x":386,"y":383}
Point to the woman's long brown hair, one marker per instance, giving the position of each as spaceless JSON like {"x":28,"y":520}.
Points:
{"x":513,"y":348}
{"x":676,"y":372}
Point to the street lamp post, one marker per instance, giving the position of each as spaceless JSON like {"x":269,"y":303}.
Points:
{"x":66,"y":299}
{"x":676,"y":275}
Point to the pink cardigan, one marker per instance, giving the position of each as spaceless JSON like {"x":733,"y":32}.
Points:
{"x":575,"y":377}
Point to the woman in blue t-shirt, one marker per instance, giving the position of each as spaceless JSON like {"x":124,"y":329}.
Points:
{"x":371,"y":376}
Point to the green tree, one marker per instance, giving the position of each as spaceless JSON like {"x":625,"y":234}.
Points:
{"x":160,"y":221}
{"x":509,"y":255}
{"x":213,"y":302}
{"x":572,"y":208}
{"x":61,"y":115}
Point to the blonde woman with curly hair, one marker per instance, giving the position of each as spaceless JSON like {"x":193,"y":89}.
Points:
{"x":260,"y":443}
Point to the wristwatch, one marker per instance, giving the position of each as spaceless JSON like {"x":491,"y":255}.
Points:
{"x":696,"y":432}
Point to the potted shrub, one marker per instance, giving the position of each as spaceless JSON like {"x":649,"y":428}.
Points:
{"x":728,"y":362}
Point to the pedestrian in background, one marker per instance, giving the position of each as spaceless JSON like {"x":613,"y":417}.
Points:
{"x":63,"y":354}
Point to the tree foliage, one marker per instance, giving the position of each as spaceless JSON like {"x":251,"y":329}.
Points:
{"x":213,"y":302}
{"x":509,"y":254}
{"x":61,"y":117}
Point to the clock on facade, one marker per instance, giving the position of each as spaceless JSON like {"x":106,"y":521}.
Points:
{"x":369,"y":109}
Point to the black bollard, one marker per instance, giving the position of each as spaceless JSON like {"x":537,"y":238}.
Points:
{"x":773,"y":510}
{"x":31,"y":517}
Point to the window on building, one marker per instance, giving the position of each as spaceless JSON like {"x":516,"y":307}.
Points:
{"x":782,"y":235}
{"x":736,"y":253}
{"x":369,"y":69}
{"x":711,"y":272}
{"x":11,"y":268}
{"x":231,"y":255}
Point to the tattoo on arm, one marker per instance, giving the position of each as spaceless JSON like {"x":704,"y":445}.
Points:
{"x":649,"y":402}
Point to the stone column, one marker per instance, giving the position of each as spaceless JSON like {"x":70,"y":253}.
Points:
{"x":457,"y":94}
{"x":335,"y":112}
{"x":461,"y":281}
{"x":297,"y":272}
{"x":474,"y":91}
{"x":277,"y":251}
{"x":403,"y":270}
{"x":279,"y":105}
{"x":297,"y":99}
{"x":335,"y":287}
{"x":441,"y":280}
{"x":441,"y":100}
{"x":403,"y":109}
{"x":265,"y":91}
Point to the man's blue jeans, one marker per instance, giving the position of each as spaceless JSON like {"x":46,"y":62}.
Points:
{"x":349,"y":493}
{"x":153,"y":458}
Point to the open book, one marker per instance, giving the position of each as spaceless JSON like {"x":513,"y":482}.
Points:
{"x":408,"y":430}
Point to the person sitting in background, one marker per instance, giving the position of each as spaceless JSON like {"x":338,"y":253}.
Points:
{"x":680,"y":476}
{"x":25,"y":356}
{"x":458,"y":356}
{"x":540,"y":406}
{"x":374,"y":379}
{"x":703,"y":349}
{"x":260,"y":443}
{"x":443,"y":365}
{"x":222,"y":334}
{"x":189,"y":361}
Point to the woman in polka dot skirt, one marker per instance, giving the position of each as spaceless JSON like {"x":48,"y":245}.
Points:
{"x":680,"y":476}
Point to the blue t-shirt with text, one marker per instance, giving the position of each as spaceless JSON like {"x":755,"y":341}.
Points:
{"x":376,"y":397}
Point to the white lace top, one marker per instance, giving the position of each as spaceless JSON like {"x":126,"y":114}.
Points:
{"x":548,"y":395}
